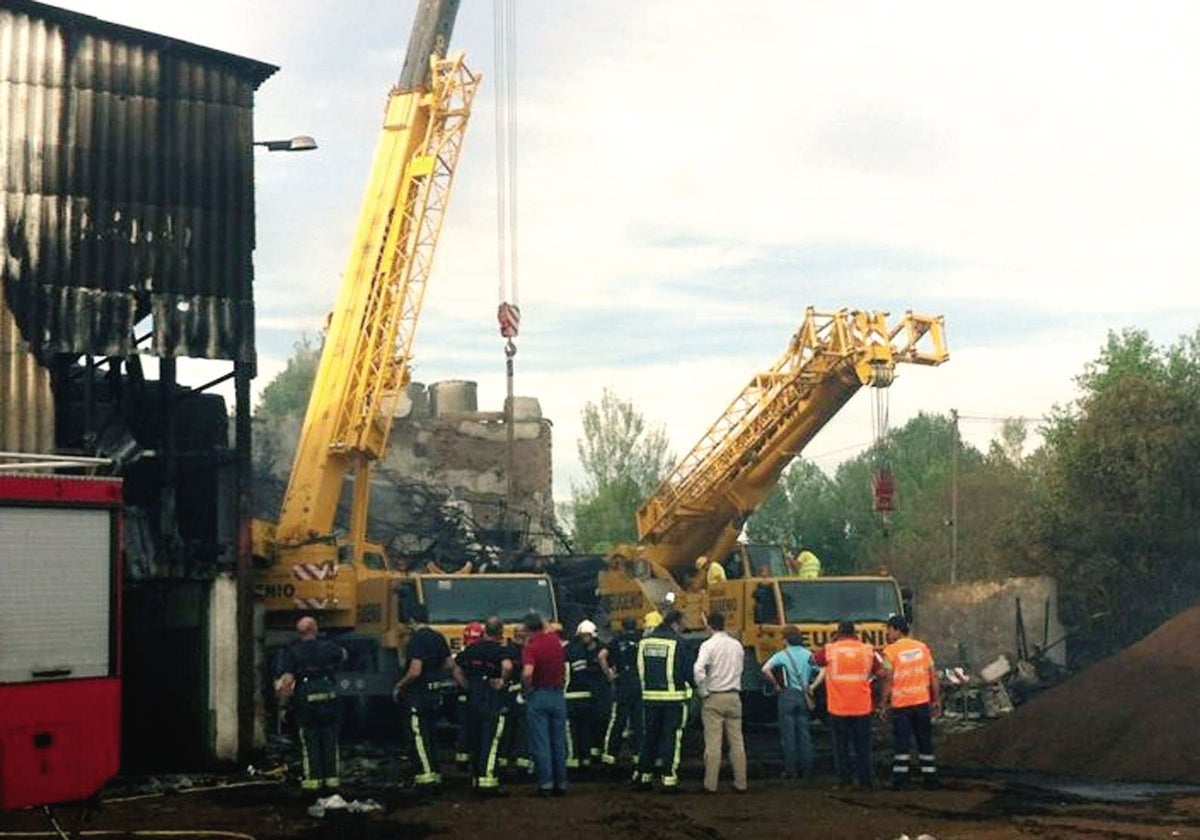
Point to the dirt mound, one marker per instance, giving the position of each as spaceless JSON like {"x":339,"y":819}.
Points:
{"x":1131,"y":717}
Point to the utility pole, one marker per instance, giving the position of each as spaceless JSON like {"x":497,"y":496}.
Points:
{"x":954,"y":496}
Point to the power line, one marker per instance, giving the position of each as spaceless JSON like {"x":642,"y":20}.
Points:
{"x":982,"y":418}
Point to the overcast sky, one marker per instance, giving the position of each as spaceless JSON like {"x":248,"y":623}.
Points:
{"x":693,"y":174}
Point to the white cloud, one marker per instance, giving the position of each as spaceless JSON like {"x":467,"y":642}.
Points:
{"x":1027,"y":169}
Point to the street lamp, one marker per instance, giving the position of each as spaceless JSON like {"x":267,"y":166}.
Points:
{"x":243,"y":372}
{"x":299,"y":143}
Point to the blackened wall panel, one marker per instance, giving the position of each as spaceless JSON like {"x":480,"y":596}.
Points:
{"x":26,"y":405}
{"x":128,"y":187}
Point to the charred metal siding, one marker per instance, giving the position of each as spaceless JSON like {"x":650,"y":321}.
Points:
{"x":127,"y":187}
{"x":26,"y":404}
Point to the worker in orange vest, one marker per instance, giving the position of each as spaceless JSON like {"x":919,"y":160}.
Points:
{"x":912,"y":697}
{"x":851,"y":666}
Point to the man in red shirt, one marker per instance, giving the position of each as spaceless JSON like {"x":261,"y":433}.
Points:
{"x":542,"y":673}
{"x":850,"y":665}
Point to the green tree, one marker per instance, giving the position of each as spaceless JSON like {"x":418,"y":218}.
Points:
{"x":1119,"y":500}
{"x":836,"y":514}
{"x":803,"y":510}
{"x":913,"y":541}
{"x":624,"y":461}
{"x":289,"y":391}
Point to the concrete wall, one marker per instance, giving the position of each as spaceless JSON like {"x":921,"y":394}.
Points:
{"x":467,"y":452}
{"x":973,"y":623}
{"x":223,"y":667}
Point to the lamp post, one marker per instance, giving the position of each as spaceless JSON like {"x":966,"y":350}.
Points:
{"x":243,"y":372}
{"x":299,"y":143}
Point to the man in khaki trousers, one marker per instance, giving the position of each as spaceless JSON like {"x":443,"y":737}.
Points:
{"x":718,"y":673}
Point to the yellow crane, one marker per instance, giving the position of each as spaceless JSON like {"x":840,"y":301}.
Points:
{"x":702,"y":506}
{"x":306,"y":564}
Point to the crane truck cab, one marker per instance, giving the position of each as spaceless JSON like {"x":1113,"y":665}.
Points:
{"x":365,"y":604}
{"x":453,"y":601}
{"x":759,"y":600}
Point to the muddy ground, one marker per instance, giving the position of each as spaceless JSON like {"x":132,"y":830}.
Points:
{"x":968,"y":806}
{"x":964,"y":808}
{"x":1124,"y":718}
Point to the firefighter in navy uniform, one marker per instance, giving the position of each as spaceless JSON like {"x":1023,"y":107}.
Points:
{"x":472,"y":633}
{"x":484,"y":670}
{"x":514,"y":749}
{"x":419,"y":693}
{"x":586,"y":695}
{"x":665,"y":668}
{"x":307,"y":683}
{"x":620,"y":659}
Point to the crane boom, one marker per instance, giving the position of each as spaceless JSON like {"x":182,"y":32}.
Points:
{"x":365,"y":363}
{"x":701,"y":506}
{"x":368,"y":598}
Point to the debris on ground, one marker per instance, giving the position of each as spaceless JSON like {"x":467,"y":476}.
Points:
{"x":1128,"y":718}
{"x":337,"y":803}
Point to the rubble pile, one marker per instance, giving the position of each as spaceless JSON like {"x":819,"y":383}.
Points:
{"x":1128,"y":718}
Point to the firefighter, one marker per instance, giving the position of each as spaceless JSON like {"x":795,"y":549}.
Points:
{"x":665,"y":667}
{"x":912,"y":697}
{"x":472,"y":633}
{"x":306,"y":682}
{"x":514,"y":747}
{"x":484,"y":670}
{"x":650,"y":621}
{"x":620,"y":662}
{"x":587,"y":691}
{"x":419,"y":694}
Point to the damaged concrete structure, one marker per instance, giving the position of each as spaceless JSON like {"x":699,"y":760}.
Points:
{"x":444,"y":492}
{"x":972,"y":624}
{"x":128,"y":209}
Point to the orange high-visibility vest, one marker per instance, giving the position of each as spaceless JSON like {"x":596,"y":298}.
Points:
{"x":848,"y":666}
{"x":912,"y":663}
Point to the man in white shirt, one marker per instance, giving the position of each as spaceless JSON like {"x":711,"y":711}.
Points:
{"x":718,"y":672}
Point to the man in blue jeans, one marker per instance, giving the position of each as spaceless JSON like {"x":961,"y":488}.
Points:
{"x":543,"y":672}
{"x":790,"y":672}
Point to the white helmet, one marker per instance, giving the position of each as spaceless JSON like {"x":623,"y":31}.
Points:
{"x":587,"y":627}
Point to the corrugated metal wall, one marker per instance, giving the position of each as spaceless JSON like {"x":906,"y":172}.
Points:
{"x":127,"y":187}
{"x":26,"y":406}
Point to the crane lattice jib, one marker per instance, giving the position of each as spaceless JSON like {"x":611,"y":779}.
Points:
{"x":737,"y":463}
{"x":365,"y":363}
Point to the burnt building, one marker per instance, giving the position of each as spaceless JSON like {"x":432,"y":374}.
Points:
{"x":128,"y":209}
{"x":454,"y":486}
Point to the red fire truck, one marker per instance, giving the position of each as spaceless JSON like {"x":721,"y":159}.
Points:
{"x":60,"y":607}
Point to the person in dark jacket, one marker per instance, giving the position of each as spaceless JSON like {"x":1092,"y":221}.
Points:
{"x":484,"y":670}
{"x":514,"y":746}
{"x":586,"y":694}
{"x":472,"y":633}
{"x":620,"y":663}
{"x":665,"y":666}
{"x":419,"y":692}
{"x":306,"y":681}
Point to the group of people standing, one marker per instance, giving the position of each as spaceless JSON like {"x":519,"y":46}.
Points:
{"x":554,"y":705}
{"x":899,"y":684}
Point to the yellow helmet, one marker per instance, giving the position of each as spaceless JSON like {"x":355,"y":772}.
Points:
{"x":652,"y":619}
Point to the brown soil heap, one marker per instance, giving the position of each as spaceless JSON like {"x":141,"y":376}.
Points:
{"x":1131,"y":717}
